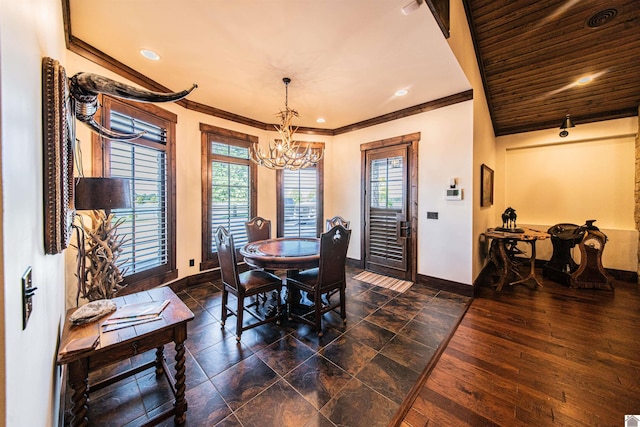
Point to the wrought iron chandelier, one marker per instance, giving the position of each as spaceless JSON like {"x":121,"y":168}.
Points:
{"x":285,"y":153}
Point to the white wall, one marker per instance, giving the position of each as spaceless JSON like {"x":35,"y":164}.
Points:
{"x":588,"y":175}
{"x":29,"y":30}
{"x":483,"y":137}
{"x":445,"y":146}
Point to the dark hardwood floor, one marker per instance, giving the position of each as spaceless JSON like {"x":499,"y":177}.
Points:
{"x":538,"y":357}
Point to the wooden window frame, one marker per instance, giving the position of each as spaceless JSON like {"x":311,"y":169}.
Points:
{"x":209,"y":134}
{"x":153,"y":114}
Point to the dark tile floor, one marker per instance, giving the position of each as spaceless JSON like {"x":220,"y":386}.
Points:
{"x":355,"y":375}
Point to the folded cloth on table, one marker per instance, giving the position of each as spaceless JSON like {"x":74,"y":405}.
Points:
{"x":92,"y":311}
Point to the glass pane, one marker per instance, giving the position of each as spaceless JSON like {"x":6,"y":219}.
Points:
{"x":230,"y":199}
{"x":228,"y":150}
{"x":386,"y":183}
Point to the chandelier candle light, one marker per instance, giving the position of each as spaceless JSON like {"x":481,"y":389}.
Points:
{"x":285,"y":153}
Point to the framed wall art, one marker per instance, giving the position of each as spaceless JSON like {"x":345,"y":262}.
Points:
{"x":58,"y":128}
{"x":486,"y":186}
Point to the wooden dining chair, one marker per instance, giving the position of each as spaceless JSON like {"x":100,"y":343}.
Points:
{"x":243,"y":285}
{"x":258,"y":228}
{"x":332,"y":222}
{"x":327,"y":278}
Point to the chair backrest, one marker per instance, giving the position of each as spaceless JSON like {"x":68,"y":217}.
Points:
{"x":258,"y":229}
{"x":337,"y":220}
{"x":227,"y":257}
{"x":333,"y":256}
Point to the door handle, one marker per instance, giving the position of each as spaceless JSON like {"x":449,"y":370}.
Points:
{"x":404,"y":230}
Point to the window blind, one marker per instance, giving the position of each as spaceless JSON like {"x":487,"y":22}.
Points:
{"x":300,"y":202}
{"x":145,"y":229}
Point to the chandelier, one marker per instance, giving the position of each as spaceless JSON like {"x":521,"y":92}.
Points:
{"x":285,"y":153}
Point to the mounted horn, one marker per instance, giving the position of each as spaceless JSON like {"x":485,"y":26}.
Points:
{"x":85,"y":88}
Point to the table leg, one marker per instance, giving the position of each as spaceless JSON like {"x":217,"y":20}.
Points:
{"x":181,"y":402}
{"x":500,"y":260}
{"x":295,"y":292}
{"x":159,"y":359}
{"x":79,"y":382}
{"x":532,"y":266}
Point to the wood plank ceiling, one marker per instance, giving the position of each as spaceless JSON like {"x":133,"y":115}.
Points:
{"x":532,"y":53}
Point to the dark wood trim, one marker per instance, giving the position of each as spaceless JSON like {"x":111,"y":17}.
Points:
{"x":611,"y":115}
{"x":194,"y":280}
{"x":623,"y":275}
{"x":358,"y":263}
{"x":410,"y":140}
{"x":210,"y":133}
{"x":397,"y":420}
{"x":446,"y":285}
{"x":66,"y":22}
{"x":228,"y":133}
{"x":440,"y":11}
{"x":410,"y":111}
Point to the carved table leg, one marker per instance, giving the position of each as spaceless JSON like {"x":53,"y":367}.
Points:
{"x":181,"y":402}
{"x":159,"y":359}
{"x":79,"y":381}
{"x":532,"y":266}
{"x":500,"y":260}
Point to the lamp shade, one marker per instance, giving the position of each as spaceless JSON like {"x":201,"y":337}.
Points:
{"x":102,"y":193}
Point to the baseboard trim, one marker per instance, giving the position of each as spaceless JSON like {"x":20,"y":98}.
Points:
{"x":445,"y":285}
{"x":351,"y":262}
{"x":196,"y":279}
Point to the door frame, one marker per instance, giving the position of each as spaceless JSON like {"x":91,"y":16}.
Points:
{"x":411,"y":142}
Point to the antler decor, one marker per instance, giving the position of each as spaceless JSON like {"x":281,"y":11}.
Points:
{"x":100,"y":248}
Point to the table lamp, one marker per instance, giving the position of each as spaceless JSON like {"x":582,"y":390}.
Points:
{"x":98,"y":273}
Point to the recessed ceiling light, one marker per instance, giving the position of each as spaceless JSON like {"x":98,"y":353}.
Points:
{"x":402,"y":92}
{"x":320,"y":120}
{"x":149,"y":54}
{"x":584,"y":80}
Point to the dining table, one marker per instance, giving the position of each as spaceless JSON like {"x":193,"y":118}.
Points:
{"x":283,"y":253}
{"x":290,"y":254}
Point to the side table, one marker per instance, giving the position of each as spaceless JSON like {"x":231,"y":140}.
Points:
{"x":503,"y":259}
{"x":122,"y":344}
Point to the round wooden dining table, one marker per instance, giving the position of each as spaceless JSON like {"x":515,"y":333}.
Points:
{"x":283,"y":253}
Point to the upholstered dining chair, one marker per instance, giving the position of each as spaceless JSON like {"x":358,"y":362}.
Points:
{"x":243,"y":285}
{"x":332,"y":222}
{"x":327,"y":278}
{"x":258,"y":228}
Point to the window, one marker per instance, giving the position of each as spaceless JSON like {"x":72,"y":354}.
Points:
{"x":148,"y":249}
{"x":300,"y":207}
{"x":228,"y":191}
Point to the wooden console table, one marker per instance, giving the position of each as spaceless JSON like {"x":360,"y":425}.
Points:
{"x":94,"y":349}
{"x":501,"y":252}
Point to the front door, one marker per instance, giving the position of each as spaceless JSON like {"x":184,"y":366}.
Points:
{"x":388,"y":231}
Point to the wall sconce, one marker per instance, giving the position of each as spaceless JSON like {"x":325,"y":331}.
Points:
{"x":566,"y":123}
{"x":98,"y":272}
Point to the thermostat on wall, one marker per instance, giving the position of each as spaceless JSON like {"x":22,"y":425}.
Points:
{"x":453,"y":194}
